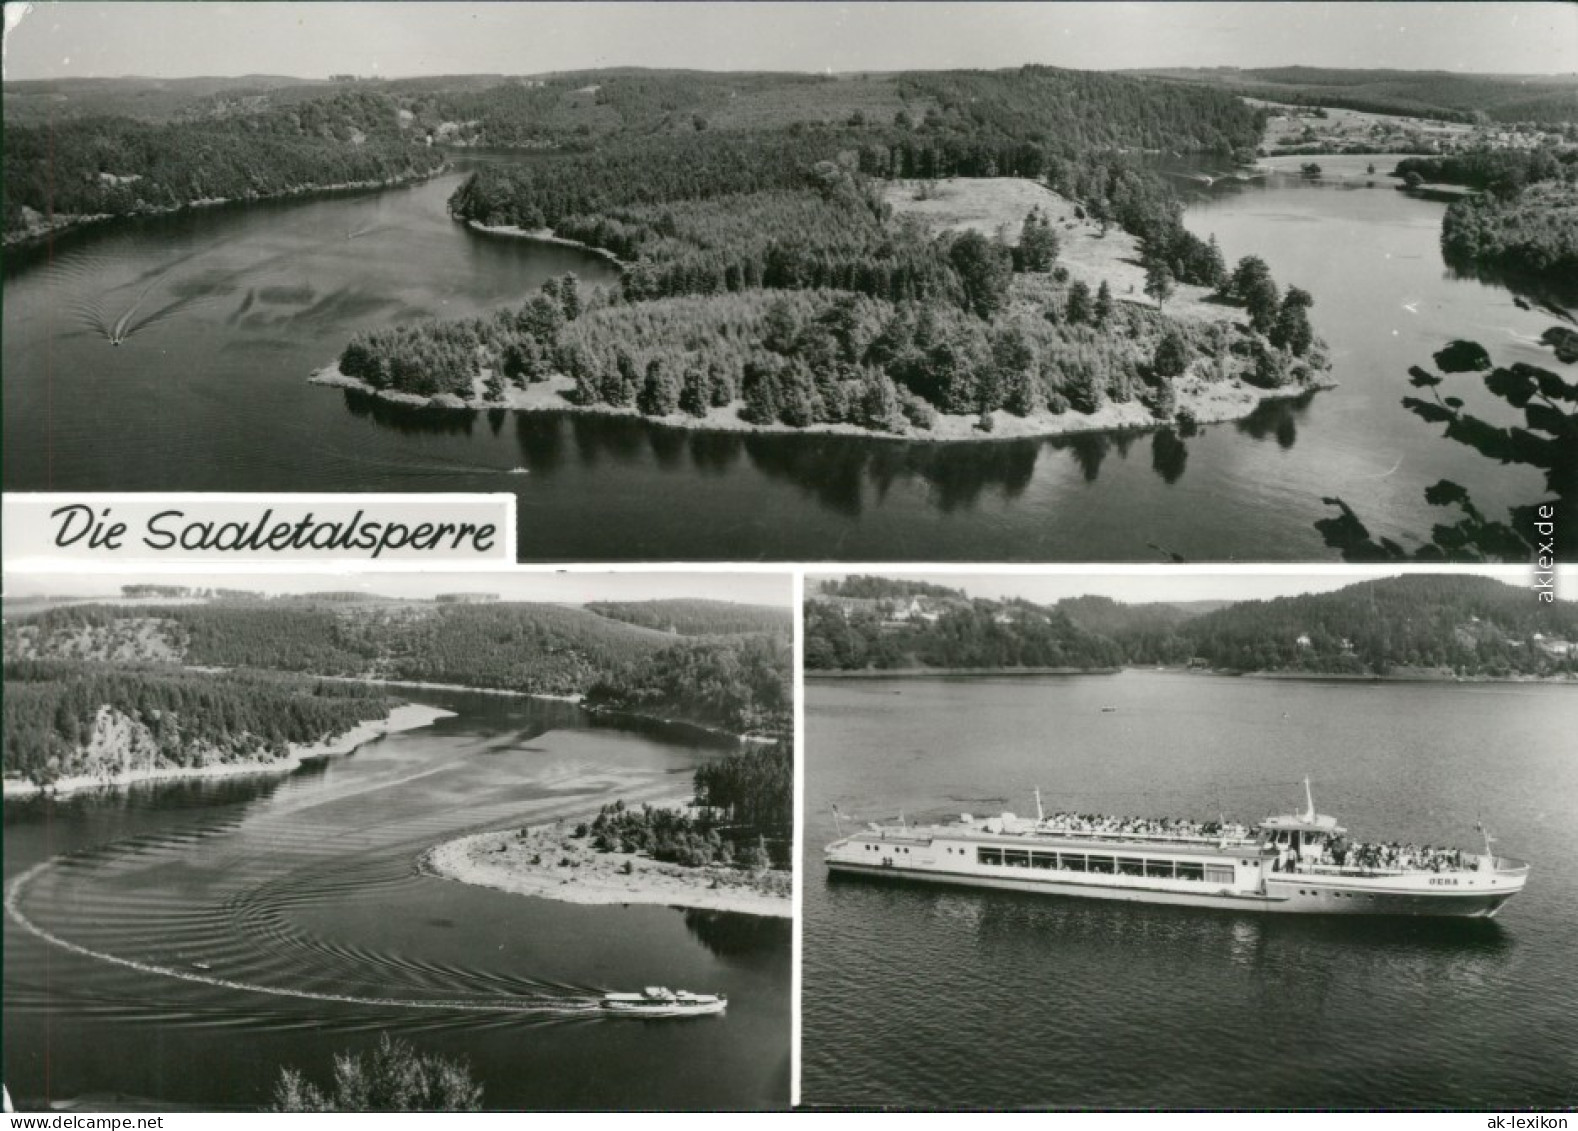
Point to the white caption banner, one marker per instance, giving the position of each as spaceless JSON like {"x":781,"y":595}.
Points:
{"x":84,"y":530}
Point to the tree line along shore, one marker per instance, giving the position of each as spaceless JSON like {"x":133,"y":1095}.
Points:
{"x":1412,"y":627}
{"x":244,"y":679}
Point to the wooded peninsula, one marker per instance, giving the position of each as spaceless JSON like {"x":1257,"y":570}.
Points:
{"x":991,"y":253}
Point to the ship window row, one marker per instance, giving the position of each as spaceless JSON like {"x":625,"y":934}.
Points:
{"x":1106,"y":865}
{"x":878,"y":848}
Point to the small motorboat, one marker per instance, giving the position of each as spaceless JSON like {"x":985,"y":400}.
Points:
{"x":518,"y":471}
{"x":1108,"y":710}
{"x":655,"y":1001}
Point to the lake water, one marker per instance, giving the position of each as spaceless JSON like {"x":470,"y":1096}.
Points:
{"x":229,"y":309}
{"x":920,"y":995}
{"x":212,"y":932}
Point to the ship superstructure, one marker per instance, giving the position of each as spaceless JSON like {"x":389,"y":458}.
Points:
{"x":1301,"y":862}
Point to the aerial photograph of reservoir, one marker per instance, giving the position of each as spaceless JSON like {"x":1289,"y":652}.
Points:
{"x":494,"y":842}
{"x":790,"y":282}
{"x":1193,"y":842}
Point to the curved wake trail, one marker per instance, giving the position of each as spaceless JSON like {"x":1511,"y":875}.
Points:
{"x":566,"y":1006}
{"x":120,"y":332}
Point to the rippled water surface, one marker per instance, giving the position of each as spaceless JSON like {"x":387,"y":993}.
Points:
{"x":937,"y":996}
{"x":184,"y":942}
{"x":222,"y":314}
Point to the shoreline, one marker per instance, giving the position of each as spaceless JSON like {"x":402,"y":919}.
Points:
{"x":600,"y":711}
{"x":502,"y":860}
{"x":577,"y":699}
{"x":543,"y":235}
{"x":1209,"y":402}
{"x":407,"y":716}
{"x":423,"y":685}
{"x":1411,"y":675}
{"x":951,"y":673}
{"x":33,"y":238}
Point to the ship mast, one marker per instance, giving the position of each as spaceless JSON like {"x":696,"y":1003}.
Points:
{"x":1487,"y":862}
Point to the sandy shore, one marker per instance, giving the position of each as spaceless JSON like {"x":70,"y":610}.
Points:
{"x":544,"y":235}
{"x":409,"y":716}
{"x":1210,"y":402}
{"x":949,"y":673}
{"x":551,"y":864}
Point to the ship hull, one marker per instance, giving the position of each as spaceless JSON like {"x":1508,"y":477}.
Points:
{"x":1299,"y":897}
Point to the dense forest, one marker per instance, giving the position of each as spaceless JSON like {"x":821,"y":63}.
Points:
{"x":744,"y":684}
{"x":744,"y":815}
{"x":1464,"y":626}
{"x":687,"y":617}
{"x":737,"y":681}
{"x":66,"y":718}
{"x":1533,"y":233}
{"x":1525,"y":219}
{"x":1023,"y":342}
{"x":868,"y":587}
{"x":121,"y":166}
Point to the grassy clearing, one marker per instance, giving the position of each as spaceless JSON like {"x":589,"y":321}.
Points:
{"x":990,"y":204}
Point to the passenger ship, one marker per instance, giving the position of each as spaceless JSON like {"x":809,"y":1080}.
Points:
{"x":1274,"y":867}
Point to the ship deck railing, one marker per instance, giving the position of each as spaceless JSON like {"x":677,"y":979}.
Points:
{"x":1142,"y":838}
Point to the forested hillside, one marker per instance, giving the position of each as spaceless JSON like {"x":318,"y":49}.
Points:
{"x":120,"y":166}
{"x":950,"y":633}
{"x":1440,"y":625}
{"x":1468,"y":625}
{"x":738,"y":679}
{"x":686,"y":617}
{"x":43,"y":101}
{"x":742,"y":683}
{"x":68,"y":718}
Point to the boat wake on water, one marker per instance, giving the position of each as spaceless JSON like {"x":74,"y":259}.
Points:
{"x":534,"y":1000}
{"x":128,"y":323}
